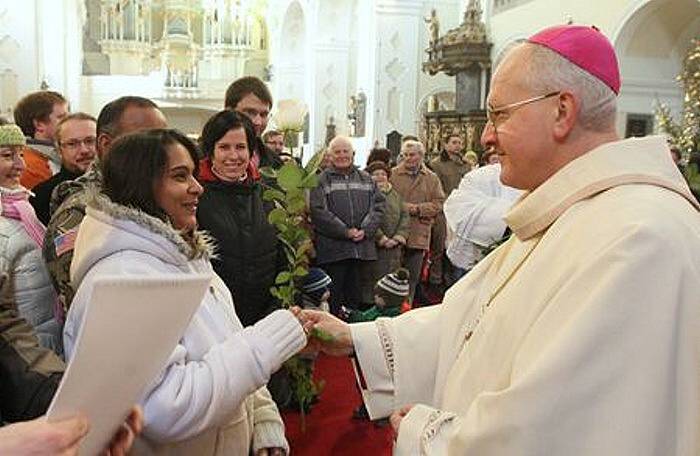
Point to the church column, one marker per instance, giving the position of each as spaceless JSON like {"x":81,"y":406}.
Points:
{"x":59,"y":46}
{"x":331,"y":86}
{"x":397,"y":59}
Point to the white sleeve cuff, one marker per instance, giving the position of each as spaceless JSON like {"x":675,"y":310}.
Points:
{"x":378,"y":394}
{"x":269,"y":434}
{"x":282,"y":331}
{"x":425,"y":431}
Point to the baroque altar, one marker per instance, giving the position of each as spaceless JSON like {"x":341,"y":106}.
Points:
{"x":463,"y":52}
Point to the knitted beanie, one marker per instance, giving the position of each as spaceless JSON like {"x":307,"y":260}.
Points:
{"x":315,"y":284}
{"x":393,"y":287}
{"x":11,"y":135}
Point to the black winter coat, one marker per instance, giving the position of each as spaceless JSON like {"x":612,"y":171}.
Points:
{"x":248,"y":254}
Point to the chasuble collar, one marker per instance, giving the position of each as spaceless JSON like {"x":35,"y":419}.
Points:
{"x":630,"y":161}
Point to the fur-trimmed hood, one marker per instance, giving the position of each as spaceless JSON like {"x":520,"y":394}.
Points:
{"x":109,"y":228}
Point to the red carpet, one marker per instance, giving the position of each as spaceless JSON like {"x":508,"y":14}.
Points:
{"x":330,"y":430}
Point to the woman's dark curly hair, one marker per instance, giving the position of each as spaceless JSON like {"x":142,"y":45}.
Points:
{"x":135,"y":164}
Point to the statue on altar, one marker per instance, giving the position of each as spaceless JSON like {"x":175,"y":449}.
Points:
{"x":463,"y":52}
{"x":352,"y":112}
{"x":433,"y":27}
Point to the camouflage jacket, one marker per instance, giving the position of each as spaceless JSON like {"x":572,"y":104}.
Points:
{"x":67,"y":211}
{"x":29,"y":373}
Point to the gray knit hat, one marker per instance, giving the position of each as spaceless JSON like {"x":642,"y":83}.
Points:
{"x":395,"y":283}
{"x":315,"y":284}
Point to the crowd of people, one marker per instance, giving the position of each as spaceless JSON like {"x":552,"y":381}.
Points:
{"x":393,"y":213}
{"x":84,"y":197}
{"x":550,"y":249}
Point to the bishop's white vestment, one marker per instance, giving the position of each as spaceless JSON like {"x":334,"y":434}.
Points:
{"x":578,"y":336}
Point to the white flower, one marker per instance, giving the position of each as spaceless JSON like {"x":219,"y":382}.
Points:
{"x":290,"y":115}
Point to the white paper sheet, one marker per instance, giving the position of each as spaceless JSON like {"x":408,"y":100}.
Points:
{"x":130,"y":328}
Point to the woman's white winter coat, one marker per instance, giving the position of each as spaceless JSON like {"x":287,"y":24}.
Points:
{"x":27,"y":283}
{"x":210,"y":399}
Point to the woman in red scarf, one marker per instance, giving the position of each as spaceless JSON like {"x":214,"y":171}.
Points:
{"x":232,"y":210}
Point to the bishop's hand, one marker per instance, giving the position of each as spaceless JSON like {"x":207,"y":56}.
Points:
{"x":398,"y":416}
{"x":331,"y":334}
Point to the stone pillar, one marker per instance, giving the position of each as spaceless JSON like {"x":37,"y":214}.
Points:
{"x":398,"y":64}
{"x":331,"y":85}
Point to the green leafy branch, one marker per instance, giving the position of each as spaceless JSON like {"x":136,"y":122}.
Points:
{"x":289,"y":196}
{"x":289,"y":215}
{"x":692,"y":175}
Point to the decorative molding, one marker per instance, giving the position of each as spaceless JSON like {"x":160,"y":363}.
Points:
{"x":3,"y":21}
{"x":393,"y":107}
{"x":650,"y":87}
{"x":395,"y":69}
{"x":395,"y":41}
{"x":333,"y":47}
{"x":399,"y":7}
{"x":9,"y":48}
{"x":499,"y":6}
{"x":329,"y":89}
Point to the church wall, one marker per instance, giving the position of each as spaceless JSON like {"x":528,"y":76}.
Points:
{"x":646,"y":34}
{"x":399,"y":59}
{"x":37,"y":43}
{"x":332,"y":48}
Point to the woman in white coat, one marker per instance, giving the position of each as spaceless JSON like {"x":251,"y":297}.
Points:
{"x":28,"y":285}
{"x":210,"y":399}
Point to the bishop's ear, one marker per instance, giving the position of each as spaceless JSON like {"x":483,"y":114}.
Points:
{"x":567,"y":108}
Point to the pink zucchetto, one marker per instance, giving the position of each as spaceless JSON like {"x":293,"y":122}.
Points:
{"x":585,"y":47}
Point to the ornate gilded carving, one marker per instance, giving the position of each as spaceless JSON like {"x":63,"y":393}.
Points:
{"x":465,"y":52}
{"x":462,"y":47}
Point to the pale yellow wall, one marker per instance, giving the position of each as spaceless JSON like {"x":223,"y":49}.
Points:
{"x":650,"y":37}
{"x":523,"y":20}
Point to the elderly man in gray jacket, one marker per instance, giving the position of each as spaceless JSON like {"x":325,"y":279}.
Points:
{"x":346,"y":210}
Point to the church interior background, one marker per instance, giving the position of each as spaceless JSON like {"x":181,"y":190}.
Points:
{"x":356,"y":64}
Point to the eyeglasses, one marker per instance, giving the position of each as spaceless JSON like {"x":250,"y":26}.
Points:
{"x":73,"y":144}
{"x":496,"y":116}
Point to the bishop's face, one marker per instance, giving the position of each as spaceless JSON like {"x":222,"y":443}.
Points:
{"x":521,"y":137}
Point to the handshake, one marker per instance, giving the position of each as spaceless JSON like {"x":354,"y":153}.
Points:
{"x":331,"y":335}
{"x":326,"y":333}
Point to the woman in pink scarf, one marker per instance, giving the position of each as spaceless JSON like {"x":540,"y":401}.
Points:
{"x":26,"y":286}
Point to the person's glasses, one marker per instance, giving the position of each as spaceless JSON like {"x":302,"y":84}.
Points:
{"x":496,"y":116}
{"x":75,"y":143}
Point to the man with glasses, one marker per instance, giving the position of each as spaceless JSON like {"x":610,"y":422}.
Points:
{"x":76,"y":136}
{"x":579,"y":335}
